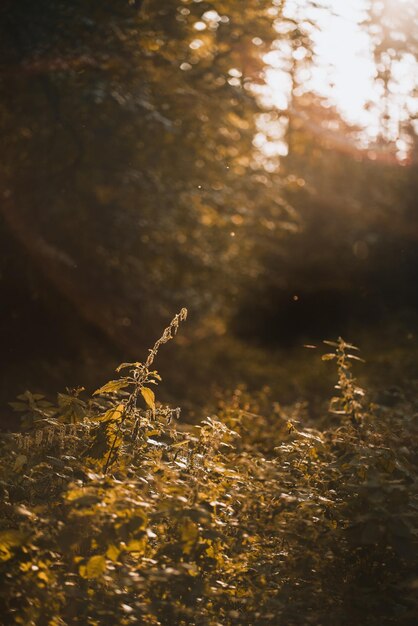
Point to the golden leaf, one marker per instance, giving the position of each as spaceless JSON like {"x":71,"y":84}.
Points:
{"x":149,"y":397}
{"x":136,"y":545}
{"x":112,"y":386}
{"x":189,"y":535}
{"x":113,"y":414}
{"x":9,"y":539}
{"x":125,"y":365}
{"x":96,"y":566}
{"x":20,"y":461}
{"x":112,"y":552}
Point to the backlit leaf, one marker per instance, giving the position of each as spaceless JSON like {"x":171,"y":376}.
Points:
{"x":112,"y":552}
{"x":9,"y":539}
{"x":136,"y":545}
{"x":112,"y":386}
{"x":96,"y":566}
{"x":149,"y":397}
{"x":125,"y":365}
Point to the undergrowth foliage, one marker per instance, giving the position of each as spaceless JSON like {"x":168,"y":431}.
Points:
{"x":111,"y":514}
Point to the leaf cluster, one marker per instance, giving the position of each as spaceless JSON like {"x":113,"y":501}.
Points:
{"x":251,"y":517}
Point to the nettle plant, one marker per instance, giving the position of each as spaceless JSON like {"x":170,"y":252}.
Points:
{"x":349,"y":403}
{"x":112,"y":515}
{"x":109,"y":514}
{"x":135,"y":384}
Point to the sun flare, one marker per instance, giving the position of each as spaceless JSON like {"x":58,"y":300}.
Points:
{"x":344,"y":68}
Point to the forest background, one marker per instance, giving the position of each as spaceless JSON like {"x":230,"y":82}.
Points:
{"x":184,"y":154}
{"x":254,"y":162}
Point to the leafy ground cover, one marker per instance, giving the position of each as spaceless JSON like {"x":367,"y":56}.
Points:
{"x":115,"y":512}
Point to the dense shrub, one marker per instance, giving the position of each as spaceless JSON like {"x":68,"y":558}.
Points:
{"x":112,"y":513}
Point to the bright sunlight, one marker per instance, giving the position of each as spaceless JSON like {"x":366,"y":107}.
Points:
{"x":345,"y":67}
